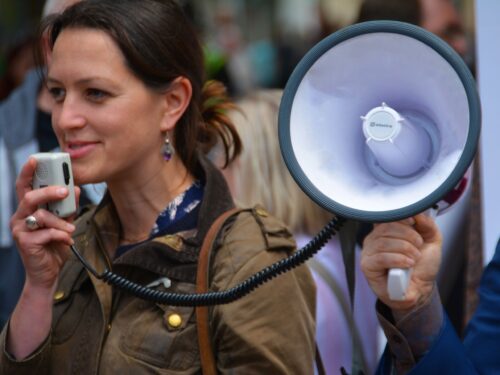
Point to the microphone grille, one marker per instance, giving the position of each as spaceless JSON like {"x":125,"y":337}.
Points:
{"x":42,"y":171}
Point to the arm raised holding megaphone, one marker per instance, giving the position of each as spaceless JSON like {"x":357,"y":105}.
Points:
{"x":411,"y":243}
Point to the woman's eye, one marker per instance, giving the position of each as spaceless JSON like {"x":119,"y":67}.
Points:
{"x":57,"y":93}
{"x":96,"y":94}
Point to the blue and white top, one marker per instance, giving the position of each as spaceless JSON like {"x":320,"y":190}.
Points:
{"x":181,"y":214}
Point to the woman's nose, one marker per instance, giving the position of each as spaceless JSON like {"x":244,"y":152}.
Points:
{"x":68,"y":114}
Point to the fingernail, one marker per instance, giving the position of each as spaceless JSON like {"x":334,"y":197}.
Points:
{"x":70,"y":226}
{"x":62,"y":191}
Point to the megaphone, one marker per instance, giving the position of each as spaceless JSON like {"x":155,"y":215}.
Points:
{"x":378,"y":122}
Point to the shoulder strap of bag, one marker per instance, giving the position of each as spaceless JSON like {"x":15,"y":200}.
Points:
{"x":202,"y":314}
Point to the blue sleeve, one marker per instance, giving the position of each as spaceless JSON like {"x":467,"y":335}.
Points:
{"x":482,"y":336}
{"x":446,"y":356}
{"x":480,"y":351}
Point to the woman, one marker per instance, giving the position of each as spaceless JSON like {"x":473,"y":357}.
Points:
{"x":127,"y":79}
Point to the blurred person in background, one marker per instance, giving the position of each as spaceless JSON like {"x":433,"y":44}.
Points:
{"x":231,"y":47}
{"x":259,"y":175}
{"x":25,"y":128}
{"x":19,"y":61}
{"x":440,"y":17}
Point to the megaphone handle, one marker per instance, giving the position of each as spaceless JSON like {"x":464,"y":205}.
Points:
{"x":398,"y":279}
{"x":397,"y":283}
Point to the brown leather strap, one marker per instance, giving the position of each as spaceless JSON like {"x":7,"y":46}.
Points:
{"x":202,"y":279}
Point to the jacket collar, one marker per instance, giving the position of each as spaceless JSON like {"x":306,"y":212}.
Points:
{"x":161,"y":255}
{"x":217,"y":198}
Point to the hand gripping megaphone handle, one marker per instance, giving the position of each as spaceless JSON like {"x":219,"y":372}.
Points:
{"x":398,"y":279}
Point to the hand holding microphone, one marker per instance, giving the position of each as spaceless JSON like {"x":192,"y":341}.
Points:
{"x":40,"y":227}
{"x":411,"y":243}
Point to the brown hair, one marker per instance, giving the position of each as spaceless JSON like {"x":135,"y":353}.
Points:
{"x":160,"y":44}
{"x":260,"y":174}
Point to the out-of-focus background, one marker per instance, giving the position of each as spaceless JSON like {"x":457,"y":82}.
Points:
{"x":18,"y":22}
{"x":255,"y":44}
{"x":258,"y":41}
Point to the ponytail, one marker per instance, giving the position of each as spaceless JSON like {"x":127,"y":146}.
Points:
{"x":216,"y":123}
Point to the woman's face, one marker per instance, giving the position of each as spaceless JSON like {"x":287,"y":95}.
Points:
{"x":104,"y":117}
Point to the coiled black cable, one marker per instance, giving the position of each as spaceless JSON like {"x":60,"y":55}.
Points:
{"x":225,"y":296}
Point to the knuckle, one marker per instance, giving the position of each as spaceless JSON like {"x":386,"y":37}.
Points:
{"x":363,"y":264}
{"x":381,"y":260}
{"x":384,"y":229}
{"x":369,"y":246}
{"x":22,"y":241}
{"x":382,"y":244}
{"x":417,"y":239}
{"x":53,"y":233}
{"x":30,"y":198}
{"x":369,"y":237}
{"x":407,"y":247}
{"x":41,"y":214}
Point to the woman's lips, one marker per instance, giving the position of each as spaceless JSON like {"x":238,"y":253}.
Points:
{"x":78,"y":150}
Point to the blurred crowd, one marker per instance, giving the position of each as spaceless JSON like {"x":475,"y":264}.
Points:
{"x":257,"y":41}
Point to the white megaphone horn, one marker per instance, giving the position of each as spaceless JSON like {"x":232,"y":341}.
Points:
{"x":378,"y":122}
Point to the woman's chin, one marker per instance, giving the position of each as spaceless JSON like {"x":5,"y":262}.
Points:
{"x":85,"y":180}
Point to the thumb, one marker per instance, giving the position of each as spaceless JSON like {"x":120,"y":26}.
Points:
{"x":427,"y":227}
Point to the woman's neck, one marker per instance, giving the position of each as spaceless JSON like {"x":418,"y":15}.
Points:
{"x":139,"y":204}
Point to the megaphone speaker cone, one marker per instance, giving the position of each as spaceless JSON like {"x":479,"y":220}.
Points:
{"x":379,"y":121}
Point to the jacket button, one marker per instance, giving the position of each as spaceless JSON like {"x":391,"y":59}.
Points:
{"x":174,"y":241}
{"x":174,"y":320}
{"x":58,"y":295}
{"x":261,"y":212}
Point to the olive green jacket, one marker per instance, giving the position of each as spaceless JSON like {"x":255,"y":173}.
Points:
{"x":98,"y":329}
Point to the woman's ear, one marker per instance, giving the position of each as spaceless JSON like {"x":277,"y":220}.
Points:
{"x":177,"y":99}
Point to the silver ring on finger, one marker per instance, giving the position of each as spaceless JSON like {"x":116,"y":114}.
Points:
{"x":31,"y":223}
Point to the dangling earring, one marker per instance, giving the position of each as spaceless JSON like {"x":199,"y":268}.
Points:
{"x":167,"y":150}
